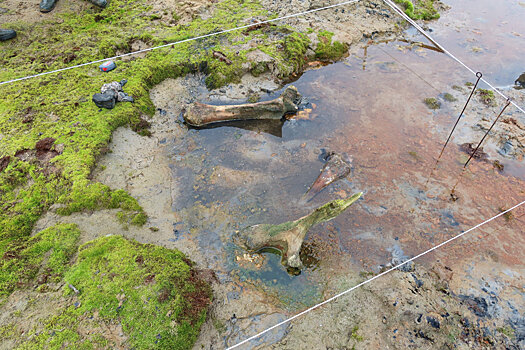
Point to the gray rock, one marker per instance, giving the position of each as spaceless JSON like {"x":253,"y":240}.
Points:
{"x":7,"y":34}
{"x":105,"y":100}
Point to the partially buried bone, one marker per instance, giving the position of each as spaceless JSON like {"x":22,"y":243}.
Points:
{"x":288,"y":237}
{"x":199,"y":114}
{"x":337,"y":166}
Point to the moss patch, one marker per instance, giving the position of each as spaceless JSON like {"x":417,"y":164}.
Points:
{"x":449,"y":97}
{"x":432,"y":103}
{"x":45,"y":255}
{"x":487,"y":97}
{"x":327,"y":50}
{"x":153,"y":293}
{"x":419,"y":9}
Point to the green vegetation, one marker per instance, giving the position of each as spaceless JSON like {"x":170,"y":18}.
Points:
{"x":487,"y":97}
{"x":46,"y":254}
{"x":152,"y":292}
{"x":354,"y":334}
{"x":432,"y":103}
{"x":420,"y":9}
{"x":508,"y":331}
{"x":327,"y":50}
{"x":449,"y":97}
{"x":509,"y":216}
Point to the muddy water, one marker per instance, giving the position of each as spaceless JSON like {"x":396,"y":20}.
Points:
{"x":369,"y":106}
{"x":375,"y":113}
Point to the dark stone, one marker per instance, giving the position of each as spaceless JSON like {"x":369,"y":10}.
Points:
{"x":6,"y":34}
{"x":433,"y":322}
{"x":419,"y":283}
{"x":4,"y":162}
{"x":104,"y":100}
{"x":47,"y":5}
{"x":478,"y":305}
{"x":507,"y":149}
{"x":99,"y":3}
{"x":520,"y":80}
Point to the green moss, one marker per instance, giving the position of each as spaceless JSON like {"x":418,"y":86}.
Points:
{"x":432,"y":103}
{"x":327,"y":50}
{"x":420,"y":9}
{"x":152,"y":292}
{"x":487,"y":97}
{"x":508,"y":331}
{"x":354,"y":334}
{"x":449,"y":97}
{"x":46,"y":254}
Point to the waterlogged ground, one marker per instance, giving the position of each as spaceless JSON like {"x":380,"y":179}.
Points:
{"x":199,"y":186}
{"x":221,"y":179}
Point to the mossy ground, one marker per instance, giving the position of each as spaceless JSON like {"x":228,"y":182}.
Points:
{"x":152,"y":293}
{"x":328,"y":50}
{"x":487,"y":97}
{"x":419,"y":9}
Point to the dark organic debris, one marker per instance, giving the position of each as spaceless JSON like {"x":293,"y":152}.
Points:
{"x":520,"y":80}
{"x":257,"y":25}
{"x":337,"y":167}
{"x":288,"y":237}
{"x":44,"y":145}
{"x":478,"y":305}
{"x":199,"y":114}
{"x":4,"y":162}
{"x":221,"y":57}
{"x":469,"y":149}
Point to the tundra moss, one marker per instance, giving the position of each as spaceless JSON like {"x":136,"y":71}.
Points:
{"x":327,"y":50}
{"x":420,"y":9}
{"x":432,"y":103}
{"x":487,"y":97}
{"x":151,"y":291}
{"x":449,"y":97}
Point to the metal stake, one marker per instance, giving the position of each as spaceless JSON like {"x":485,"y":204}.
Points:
{"x":479,"y":75}
{"x":477,"y":147}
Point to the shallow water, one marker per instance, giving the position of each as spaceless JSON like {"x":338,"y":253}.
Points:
{"x":371,"y":107}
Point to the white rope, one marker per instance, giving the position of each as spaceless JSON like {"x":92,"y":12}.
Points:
{"x":181,"y":41}
{"x":373,"y":278}
{"x":422,"y":31}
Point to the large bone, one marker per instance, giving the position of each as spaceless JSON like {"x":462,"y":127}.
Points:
{"x":288,"y":237}
{"x":199,"y":114}
{"x":337,"y":166}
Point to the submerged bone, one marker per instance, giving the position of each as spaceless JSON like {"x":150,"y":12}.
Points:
{"x":337,"y":166}
{"x":289,"y":236}
{"x":199,"y":114}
